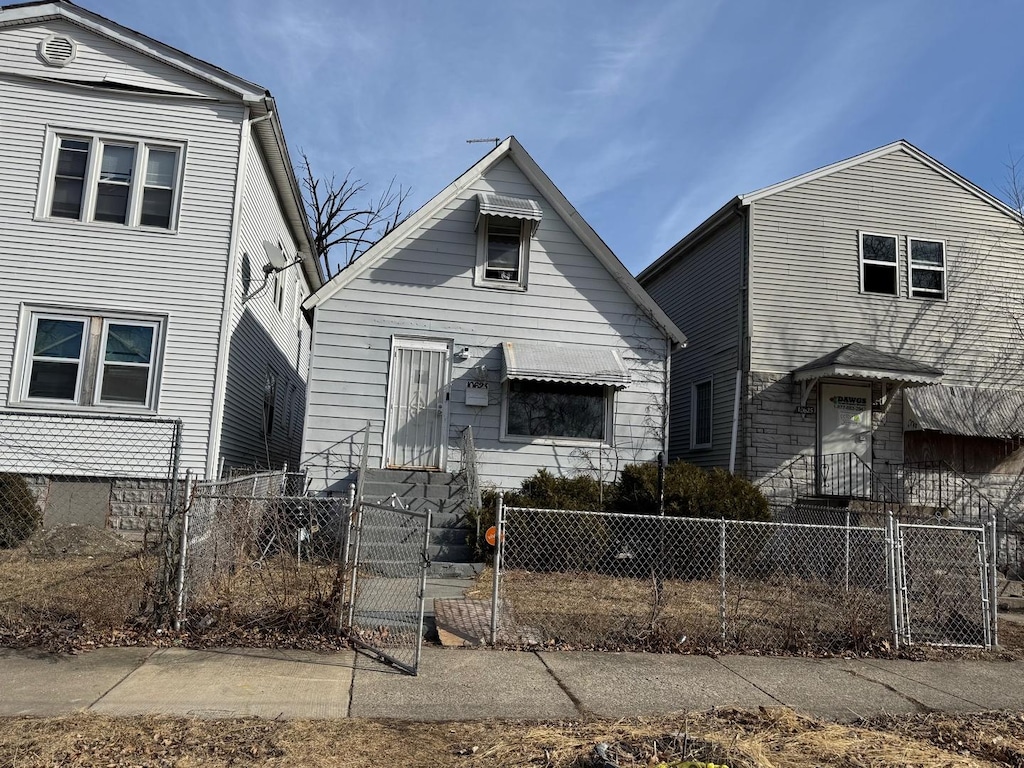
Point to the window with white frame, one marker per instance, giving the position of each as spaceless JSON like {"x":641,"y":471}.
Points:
{"x":879,"y":272}
{"x":82,"y":359}
{"x":121,"y":181}
{"x":503,"y":252}
{"x":701,"y":410}
{"x":549,"y":409}
{"x":927,"y":268}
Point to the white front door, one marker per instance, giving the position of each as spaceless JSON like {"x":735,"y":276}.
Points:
{"x":417,"y":411}
{"x":844,"y":439}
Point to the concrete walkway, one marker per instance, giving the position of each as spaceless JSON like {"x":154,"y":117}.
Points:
{"x":481,"y":684}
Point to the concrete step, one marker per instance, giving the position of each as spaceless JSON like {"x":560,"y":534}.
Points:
{"x":377,"y":490}
{"x":409,"y":476}
{"x":1007,"y":603}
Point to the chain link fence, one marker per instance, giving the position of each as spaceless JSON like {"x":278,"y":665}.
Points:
{"x":256,"y":556}
{"x":85,"y":502}
{"x":943,"y":579}
{"x":617,"y":581}
{"x":103,"y":471}
{"x":388,"y":582}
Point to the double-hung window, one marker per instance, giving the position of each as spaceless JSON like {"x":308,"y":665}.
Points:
{"x":701,"y":411}
{"x":927,"y":268}
{"x":879,"y":272}
{"x":79,"y":359}
{"x":121,"y":181}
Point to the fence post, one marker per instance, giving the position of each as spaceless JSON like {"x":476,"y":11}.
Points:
{"x":355,"y":563}
{"x":499,"y":529}
{"x":179,"y":602}
{"x":721,"y":577}
{"x":846,"y":575}
{"x":993,"y":578}
{"x":890,"y":567}
{"x":346,"y":545}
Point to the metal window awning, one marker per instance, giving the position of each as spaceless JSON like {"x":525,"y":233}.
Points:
{"x":565,"y":363}
{"x":509,"y":206}
{"x":966,"y":411}
{"x":859,"y":361}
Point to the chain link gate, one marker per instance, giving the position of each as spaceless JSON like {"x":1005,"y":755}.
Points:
{"x":389,"y":572}
{"x":943,"y":585}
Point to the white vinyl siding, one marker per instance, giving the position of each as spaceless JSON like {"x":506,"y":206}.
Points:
{"x":263,"y":336}
{"x":804,"y":273}
{"x":94,"y":267}
{"x":572,"y":299}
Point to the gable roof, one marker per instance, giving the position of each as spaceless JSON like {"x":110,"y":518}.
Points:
{"x":269,"y":132}
{"x":509,"y":148}
{"x":740,"y":201}
{"x":896,"y":146}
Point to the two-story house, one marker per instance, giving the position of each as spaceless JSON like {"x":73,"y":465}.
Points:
{"x":144,"y":195}
{"x":865,"y":315}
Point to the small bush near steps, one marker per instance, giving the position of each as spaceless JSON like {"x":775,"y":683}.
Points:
{"x":19,"y":515}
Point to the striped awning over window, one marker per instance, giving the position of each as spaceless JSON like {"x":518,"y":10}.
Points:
{"x":967,"y":411}
{"x":510,"y":207}
{"x":568,"y":363}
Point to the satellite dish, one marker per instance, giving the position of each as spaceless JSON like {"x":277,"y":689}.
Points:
{"x":278,"y":261}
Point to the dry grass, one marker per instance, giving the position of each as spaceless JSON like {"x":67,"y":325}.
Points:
{"x":95,"y":593}
{"x":775,"y":738}
{"x":785,"y":614}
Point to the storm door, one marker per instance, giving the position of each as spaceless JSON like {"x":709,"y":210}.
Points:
{"x":417,"y":415}
{"x":844,"y":440}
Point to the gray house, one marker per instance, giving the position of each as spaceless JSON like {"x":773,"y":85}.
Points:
{"x":492,"y":329}
{"x":859,"y":319}
{"x":143,"y":192}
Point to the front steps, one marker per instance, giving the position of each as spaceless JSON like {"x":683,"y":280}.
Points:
{"x":444,"y":494}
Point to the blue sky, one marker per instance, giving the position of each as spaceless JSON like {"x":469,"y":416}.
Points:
{"x":647,"y":115}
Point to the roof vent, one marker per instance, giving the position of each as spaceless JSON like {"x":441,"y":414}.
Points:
{"x":58,"y":50}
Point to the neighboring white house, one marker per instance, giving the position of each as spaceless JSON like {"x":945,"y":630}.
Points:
{"x":494,"y":307}
{"x":869,"y":311}
{"x":141,"y":193}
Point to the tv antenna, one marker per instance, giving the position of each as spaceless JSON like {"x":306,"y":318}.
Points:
{"x":496,"y":141}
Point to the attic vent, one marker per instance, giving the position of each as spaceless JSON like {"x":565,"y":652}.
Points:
{"x":57,"y":50}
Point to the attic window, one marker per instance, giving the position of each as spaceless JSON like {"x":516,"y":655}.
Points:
{"x":58,"y":50}
{"x":505,"y":225}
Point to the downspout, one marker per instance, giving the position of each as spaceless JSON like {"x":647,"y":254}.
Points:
{"x":228,"y":311}
{"x":666,"y":390}
{"x":742,"y":305}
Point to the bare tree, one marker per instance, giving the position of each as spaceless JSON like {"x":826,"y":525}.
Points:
{"x":343,"y":214}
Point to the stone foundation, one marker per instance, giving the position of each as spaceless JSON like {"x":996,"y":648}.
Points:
{"x":133,"y":507}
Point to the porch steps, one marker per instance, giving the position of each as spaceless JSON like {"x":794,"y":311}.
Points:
{"x":444,"y":494}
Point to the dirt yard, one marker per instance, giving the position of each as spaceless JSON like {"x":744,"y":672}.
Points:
{"x":736,"y":738}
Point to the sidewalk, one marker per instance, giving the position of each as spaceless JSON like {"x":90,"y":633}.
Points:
{"x":484,"y":684}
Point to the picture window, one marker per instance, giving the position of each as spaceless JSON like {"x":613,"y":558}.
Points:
{"x":546,"y":409}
